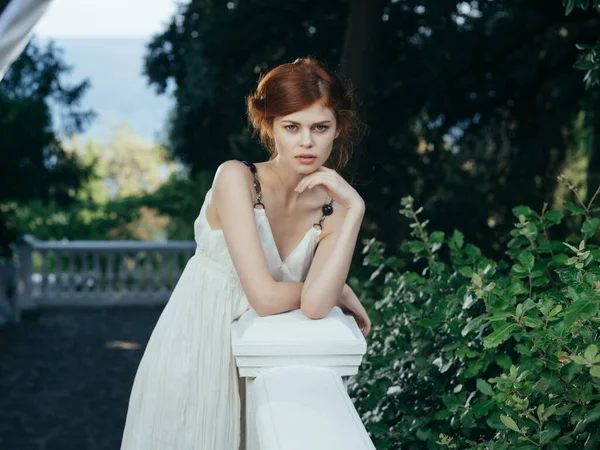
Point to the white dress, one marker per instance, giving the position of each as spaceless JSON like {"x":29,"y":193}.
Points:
{"x":185,"y":395}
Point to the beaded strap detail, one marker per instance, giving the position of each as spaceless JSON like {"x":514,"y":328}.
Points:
{"x":257,"y":187}
{"x":327,"y":207}
{"x":327,"y":211}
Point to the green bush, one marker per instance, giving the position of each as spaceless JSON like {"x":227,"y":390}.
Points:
{"x":471,"y":353}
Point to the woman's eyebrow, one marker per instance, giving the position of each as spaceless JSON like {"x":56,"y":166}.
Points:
{"x":323,"y":122}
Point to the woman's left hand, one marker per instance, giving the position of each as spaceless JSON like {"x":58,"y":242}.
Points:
{"x":336,"y":187}
{"x":351,"y":303}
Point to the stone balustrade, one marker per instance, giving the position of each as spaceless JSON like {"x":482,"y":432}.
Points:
{"x":99,"y":273}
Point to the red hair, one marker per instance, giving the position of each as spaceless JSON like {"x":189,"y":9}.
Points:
{"x":295,"y":86}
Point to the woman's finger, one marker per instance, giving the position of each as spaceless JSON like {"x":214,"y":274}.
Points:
{"x":332,"y":182}
{"x":308,"y":179}
{"x":316,"y":174}
{"x":310,"y":182}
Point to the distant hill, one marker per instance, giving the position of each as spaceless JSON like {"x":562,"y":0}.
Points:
{"x":118,"y":92}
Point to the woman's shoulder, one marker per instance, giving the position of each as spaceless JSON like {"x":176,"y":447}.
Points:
{"x":232,"y":172}
{"x":231,"y":168}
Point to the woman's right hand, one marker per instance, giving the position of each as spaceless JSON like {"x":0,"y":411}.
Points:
{"x":336,"y":187}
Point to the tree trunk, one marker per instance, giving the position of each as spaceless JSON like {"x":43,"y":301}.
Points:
{"x":593,"y":171}
{"x":360,"y":45}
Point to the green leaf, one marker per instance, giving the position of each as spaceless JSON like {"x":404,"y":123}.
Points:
{"x":378,"y":428}
{"x":493,"y":420}
{"x":519,"y":311}
{"x":504,"y":361}
{"x":593,"y":414}
{"x":573,"y":208}
{"x":443,"y":414}
{"x":500,"y":316}
{"x":458,"y":239}
{"x":575,"y":249}
{"x":595,"y":371}
{"x":553,"y":216}
{"x":485,"y":387}
{"x":499,"y":336}
{"x":569,"y":275}
{"x":550,"y":412}
{"x":528,"y":304}
{"x":555,"y":311}
{"x":524,"y":211}
{"x":589,"y":227}
{"x":559,"y":259}
{"x":510,"y":423}
{"x":480,"y":409}
{"x":473,"y":324}
{"x":527,"y":260}
{"x":469,"y":301}
{"x":577,"y":309}
{"x":561,"y":411}
{"x":428,"y":322}
{"x":570,"y":6}
{"x":590,"y":353}
{"x":416,"y":246}
{"x":583,"y":64}
{"x":436,"y":237}
{"x":551,"y":430}
{"x":532,"y":322}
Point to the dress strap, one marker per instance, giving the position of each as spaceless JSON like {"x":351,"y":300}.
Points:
{"x":257,"y":187}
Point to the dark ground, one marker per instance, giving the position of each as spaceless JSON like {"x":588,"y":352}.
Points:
{"x":66,"y":375}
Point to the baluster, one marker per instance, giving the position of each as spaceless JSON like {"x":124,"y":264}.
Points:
{"x":138,"y":271}
{"x":123,"y":272}
{"x":110,"y":272}
{"x":162,"y":271}
{"x":52,"y":280}
{"x":150,"y":283}
{"x":96,"y":272}
{"x":44,"y":273}
{"x":71,"y":274}
{"x":58,"y":270}
{"x":84,"y":272}
{"x":174,"y":267}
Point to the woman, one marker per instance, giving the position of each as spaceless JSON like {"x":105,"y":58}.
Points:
{"x":256,"y":236}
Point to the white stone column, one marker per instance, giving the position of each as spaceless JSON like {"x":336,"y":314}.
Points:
{"x":282,"y":359}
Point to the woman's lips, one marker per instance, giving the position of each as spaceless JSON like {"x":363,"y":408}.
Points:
{"x":306,"y":159}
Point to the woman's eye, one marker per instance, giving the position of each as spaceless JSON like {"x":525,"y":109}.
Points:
{"x":321,"y":127}
{"x":290,"y":127}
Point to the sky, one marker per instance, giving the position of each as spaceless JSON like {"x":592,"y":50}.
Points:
{"x":105,"y":18}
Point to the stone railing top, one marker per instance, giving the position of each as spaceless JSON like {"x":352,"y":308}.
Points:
{"x":110,"y":245}
{"x":292,"y":333}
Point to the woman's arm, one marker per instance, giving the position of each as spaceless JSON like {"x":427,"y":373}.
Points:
{"x":331,"y":263}
{"x":232,"y":194}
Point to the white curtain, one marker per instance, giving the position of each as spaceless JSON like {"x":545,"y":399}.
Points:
{"x":16,"y":24}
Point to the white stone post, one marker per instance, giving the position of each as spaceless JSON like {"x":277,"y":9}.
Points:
{"x":294,"y":372}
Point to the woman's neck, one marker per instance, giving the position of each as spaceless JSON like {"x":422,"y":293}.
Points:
{"x":284,"y":181}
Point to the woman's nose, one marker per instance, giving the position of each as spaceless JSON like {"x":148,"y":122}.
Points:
{"x":307,"y":139}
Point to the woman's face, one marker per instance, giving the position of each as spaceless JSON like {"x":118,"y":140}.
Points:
{"x":304,"y":139}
